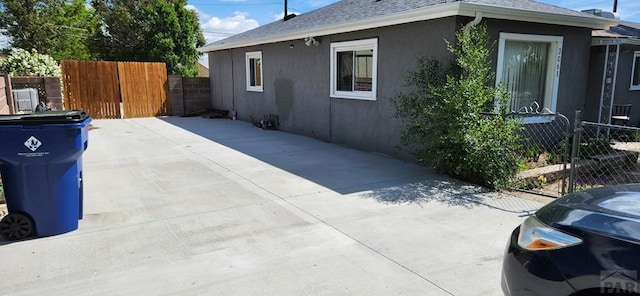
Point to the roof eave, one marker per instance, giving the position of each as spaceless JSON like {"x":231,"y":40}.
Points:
{"x":499,"y":12}
{"x":423,"y":14}
{"x":599,"y":41}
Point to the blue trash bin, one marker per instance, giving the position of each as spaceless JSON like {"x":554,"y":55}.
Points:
{"x":41,"y":169}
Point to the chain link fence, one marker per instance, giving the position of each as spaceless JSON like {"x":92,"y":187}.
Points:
{"x":557,"y":160}
{"x":604,"y":154}
{"x":545,"y":147}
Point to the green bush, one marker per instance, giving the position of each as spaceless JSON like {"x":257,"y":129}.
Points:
{"x":20,"y":62}
{"x":456,"y":118}
{"x":532,"y":149}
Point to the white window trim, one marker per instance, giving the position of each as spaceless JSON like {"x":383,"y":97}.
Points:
{"x":636,"y":55}
{"x":352,"y":46}
{"x":253,"y":55}
{"x":554,"y":63}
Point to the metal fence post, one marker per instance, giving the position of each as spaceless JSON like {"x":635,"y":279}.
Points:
{"x":575,"y":151}
{"x":567,"y":152}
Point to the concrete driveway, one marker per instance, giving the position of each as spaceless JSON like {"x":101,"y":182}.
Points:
{"x":194,"y":206}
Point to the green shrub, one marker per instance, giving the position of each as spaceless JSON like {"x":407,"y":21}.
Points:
{"x":532,"y":149}
{"x":20,"y":62}
{"x":456,"y":118}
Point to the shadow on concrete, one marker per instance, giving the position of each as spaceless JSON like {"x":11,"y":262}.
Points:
{"x":332,"y":166}
{"x":340,"y":169}
{"x":440,"y":189}
{"x":5,"y":242}
{"x":451,"y":192}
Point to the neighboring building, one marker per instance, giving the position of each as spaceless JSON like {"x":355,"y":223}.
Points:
{"x":330,"y":73}
{"x":203,"y":66}
{"x":616,"y":51}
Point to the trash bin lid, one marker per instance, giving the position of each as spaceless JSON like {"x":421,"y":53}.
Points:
{"x":48,"y":117}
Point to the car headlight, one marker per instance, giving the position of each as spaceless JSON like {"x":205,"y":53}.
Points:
{"x":536,"y":236}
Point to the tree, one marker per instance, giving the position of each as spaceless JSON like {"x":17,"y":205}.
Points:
{"x":55,"y":27}
{"x":456,"y":118}
{"x":148,"y":31}
{"x":76,"y":24}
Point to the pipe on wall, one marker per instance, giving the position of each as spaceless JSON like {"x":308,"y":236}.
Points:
{"x":474,"y":22}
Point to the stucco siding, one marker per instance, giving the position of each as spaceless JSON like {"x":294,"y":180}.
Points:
{"x":297,"y":85}
{"x":594,"y":84}
{"x":574,"y":67}
{"x":371,"y":125}
{"x":297,"y":80}
{"x":294,"y":80}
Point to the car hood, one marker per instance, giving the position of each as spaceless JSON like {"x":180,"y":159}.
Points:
{"x":611,"y":210}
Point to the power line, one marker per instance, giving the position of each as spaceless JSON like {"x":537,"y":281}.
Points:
{"x":218,"y":32}
{"x":236,"y":4}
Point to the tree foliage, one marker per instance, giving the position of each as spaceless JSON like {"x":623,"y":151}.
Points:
{"x":115,"y":30}
{"x":456,"y":118}
{"x":56,"y":27}
{"x":148,"y":30}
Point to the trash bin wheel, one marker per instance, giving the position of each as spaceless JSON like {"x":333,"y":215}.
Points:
{"x":16,"y":226}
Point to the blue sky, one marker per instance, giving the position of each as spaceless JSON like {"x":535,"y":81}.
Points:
{"x":223,"y":18}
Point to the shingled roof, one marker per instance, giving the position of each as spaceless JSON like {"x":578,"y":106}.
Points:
{"x":353,"y":15}
{"x":624,"y":33}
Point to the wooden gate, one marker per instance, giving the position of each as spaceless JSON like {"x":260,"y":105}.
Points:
{"x":143,"y":88}
{"x":108,"y":90}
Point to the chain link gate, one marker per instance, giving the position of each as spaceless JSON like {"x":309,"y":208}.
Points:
{"x":603,"y":154}
{"x":545,"y":150}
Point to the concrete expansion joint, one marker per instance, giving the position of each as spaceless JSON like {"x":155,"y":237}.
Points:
{"x":379,"y":253}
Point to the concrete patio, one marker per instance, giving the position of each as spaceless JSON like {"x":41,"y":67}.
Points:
{"x":194,"y":206}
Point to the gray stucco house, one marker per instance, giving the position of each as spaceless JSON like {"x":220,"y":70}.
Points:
{"x":330,"y":73}
{"x":614,"y":73}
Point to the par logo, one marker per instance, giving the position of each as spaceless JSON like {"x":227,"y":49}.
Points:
{"x":618,"y":282}
{"x":33,"y":143}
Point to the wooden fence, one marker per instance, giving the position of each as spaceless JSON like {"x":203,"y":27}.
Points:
{"x":6,"y":103}
{"x":101,"y":87}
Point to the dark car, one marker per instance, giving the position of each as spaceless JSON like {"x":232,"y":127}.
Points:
{"x":585,"y":243}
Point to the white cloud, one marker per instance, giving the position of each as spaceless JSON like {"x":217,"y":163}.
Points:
{"x":217,"y":28}
{"x":279,"y":16}
{"x":201,"y":15}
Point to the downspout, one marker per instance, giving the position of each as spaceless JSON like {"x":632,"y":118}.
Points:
{"x":330,"y":107}
{"x":473,"y":23}
{"x":234,"y":114}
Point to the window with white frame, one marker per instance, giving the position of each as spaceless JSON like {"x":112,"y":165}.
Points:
{"x":354,"y":69}
{"x":254,"y":70}
{"x":529,"y":69}
{"x":635,"y":72}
